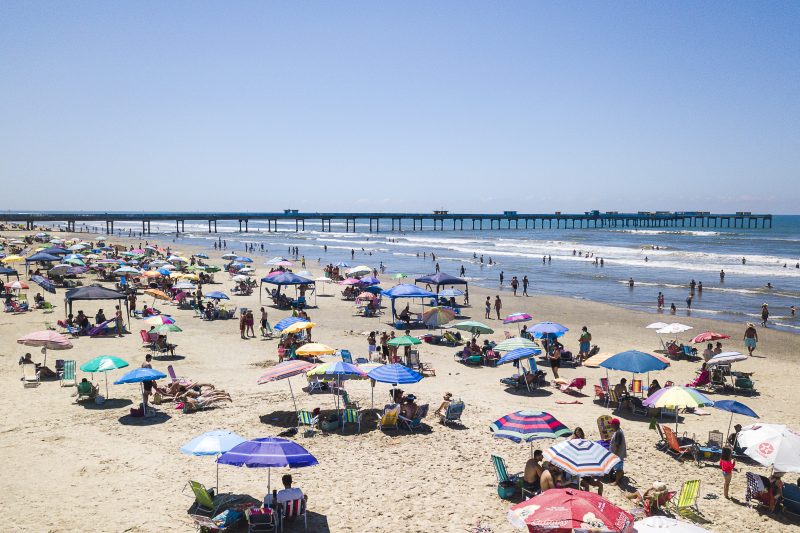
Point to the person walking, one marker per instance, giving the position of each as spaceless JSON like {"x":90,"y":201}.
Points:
{"x":764,"y":314}
{"x":525,"y":285}
{"x":488,"y":307}
{"x":498,"y":305}
{"x":750,"y":337}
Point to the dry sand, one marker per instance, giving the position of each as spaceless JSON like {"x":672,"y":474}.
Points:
{"x":82,"y":467}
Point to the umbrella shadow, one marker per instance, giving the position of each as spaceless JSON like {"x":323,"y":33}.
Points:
{"x":318,"y":522}
{"x":158,"y":418}
{"x":110,"y":403}
{"x":537,"y":392}
{"x":169,"y":357}
{"x":280,"y":419}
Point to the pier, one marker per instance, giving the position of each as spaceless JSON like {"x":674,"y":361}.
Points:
{"x":436,"y":221}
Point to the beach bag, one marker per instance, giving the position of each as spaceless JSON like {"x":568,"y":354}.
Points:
{"x":506,"y":490}
{"x":744,"y":383}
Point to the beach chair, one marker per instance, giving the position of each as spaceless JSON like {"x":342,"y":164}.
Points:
{"x":507,"y":484}
{"x":577,"y":384}
{"x":30,"y":376}
{"x":605,"y":428}
{"x":449,"y":339}
{"x":414,"y":423}
{"x":85,"y":389}
{"x":604,"y":384}
{"x":611,"y":398}
{"x":347,"y":357}
{"x":426,"y":369}
{"x":292,"y":510}
{"x":636,"y":388}
{"x":347,"y":401}
{"x":413,"y":359}
{"x":689,"y":352}
{"x":389,"y":419}
{"x":261,"y":519}
{"x":665,"y":411}
{"x":305,"y":418}
{"x":687,"y":498}
{"x":600,"y":394}
{"x":67,"y":376}
{"x":352,"y":416}
{"x":791,"y":499}
{"x":453,"y":413}
{"x":681,"y":447}
{"x":205,"y":504}
{"x":174,"y":378}
{"x":315,"y":385}
{"x":662,"y":442}
{"x":47,"y":308}
{"x":758,"y":490}
{"x":713,"y":447}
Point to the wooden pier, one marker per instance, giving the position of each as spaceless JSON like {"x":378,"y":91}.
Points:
{"x":437,"y":221}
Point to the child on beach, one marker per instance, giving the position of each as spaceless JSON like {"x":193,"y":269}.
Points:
{"x":727,"y":464}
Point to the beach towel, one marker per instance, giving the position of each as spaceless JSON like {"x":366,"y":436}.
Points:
{"x":564,"y":402}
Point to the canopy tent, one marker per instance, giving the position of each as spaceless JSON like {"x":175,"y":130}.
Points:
{"x":441,"y":279}
{"x":405,"y":290}
{"x":93,"y":292}
{"x":8,"y":272}
{"x":284,"y":278}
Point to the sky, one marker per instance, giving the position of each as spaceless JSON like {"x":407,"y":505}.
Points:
{"x":400,"y":106}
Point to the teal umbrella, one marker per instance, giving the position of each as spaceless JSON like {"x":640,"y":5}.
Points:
{"x":104,"y":363}
{"x":167,"y":328}
{"x":405,"y":340}
{"x":473,"y":327}
{"x":514,"y":343}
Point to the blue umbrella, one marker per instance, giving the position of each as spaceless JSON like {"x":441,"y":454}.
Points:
{"x":44,"y":283}
{"x":395,"y":374}
{"x":214,"y":442}
{"x":286,"y":322}
{"x":734,"y":407}
{"x":216,"y":295}
{"x":203,"y":256}
{"x":634,"y":361}
{"x":519,"y":353}
{"x":43,"y":257}
{"x":140,"y":375}
{"x":451,"y":293}
{"x":164,"y":272}
{"x":548,"y":328}
{"x":370,"y":280}
{"x":268,"y":452}
{"x":341,"y":264}
{"x":243,"y":260}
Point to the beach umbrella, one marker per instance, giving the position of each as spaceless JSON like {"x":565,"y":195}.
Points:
{"x":286,"y":322}
{"x":166,"y":266}
{"x":167,"y":328}
{"x":633,"y":361}
{"x":153,"y":274}
{"x":104,"y":363}
{"x":298,"y":326}
{"x":286,"y":370}
{"x":214,"y":442}
{"x":734,"y":407}
{"x":157,"y":320}
{"x":370,"y":280}
{"x":12,"y":259}
{"x":726,"y":358}
{"x":177,"y":259}
{"x":399,"y":276}
{"x":16,"y":285}
{"x":474,"y":327}
{"x":315,"y":349}
{"x":548,"y":328}
{"x":47,"y":340}
{"x":365,"y":296}
{"x":201,"y":255}
{"x":664,"y":524}
{"x":338,"y":370}
{"x":44,"y":283}
{"x":772,"y":445}
{"x":240,"y":259}
{"x":273,"y":261}
{"x":350,"y":281}
{"x":42,"y":257}
{"x":269,"y":453}
{"x":518,"y":354}
{"x":450,"y":293}
{"x":528,"y":426}
{"x":513,"y":343}
{"x":570,"y":510}
{"x":341,"y":264}
{"x":58,"y":270}
{"x":239,"y":278}
{"x":126,"y":271}
{"x":404,"y":340}
{"x":188,"y":285}
{"x":157,"y":295}
{"x":514,"y":318}
{"x":676,"y":397}
{"x":140,"y":375}
{"x":360,"y":269}
{"x":671,"y":329}
{"x":373,"y":289}
{"x":709,"y":336}
{"x":435,"y":317}
{"x":395,"y":374}
{"x":75,"y":261}
{"x":581,"y":457}
{"x":229,"y":256}
{"x":216,"y":295}
{"x":164,"y":272}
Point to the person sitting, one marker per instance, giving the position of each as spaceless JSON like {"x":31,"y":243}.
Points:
{"x":578,"y":434}
{"x":474,"y":349}
{"x":163,"y":346}
{"x":590,"y":481}
{"x":38,"y":300}
{"x":703,"y":378}
{"x":546,"y":479}
{"x":718,"y":348}
{"x":100,"y":317}
{"x":87,"y":388}
{"x":396,"y":395}
{"x":287,"y":494}
{"x":82,"y":321}
{"x":26,"y":360}
{"x":654,"y":387}
{"x":533,"y":471}
{"x":409,"y":409}
{"x":623,"y":396}
{"x":708,"y":353}
{"x":444,"y":405}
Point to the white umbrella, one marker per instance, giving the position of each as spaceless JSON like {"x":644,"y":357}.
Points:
{"x":360,"y":269}
{"x":663,"y":524}
{"x":240,"y":278}
{"x":657,"y":325}
{"x":673,"y":328}
{"x":726,"y":358}
{"x":773,"y":445}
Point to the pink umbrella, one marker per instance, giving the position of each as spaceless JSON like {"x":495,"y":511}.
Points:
{"x":46,"y":339}
{"x":516,"y":318}
{"x":16,"y":285}
{"x":350,"y":281}
{"x":284,"y":264}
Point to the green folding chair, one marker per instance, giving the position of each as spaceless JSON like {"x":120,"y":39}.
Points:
{"x":207,"y":504}
{"x":352,"y":416}
{"x":507,"y":485}
{"x":305,"y":418}
{"x":67,"y":376}
{"x":687,"y":499}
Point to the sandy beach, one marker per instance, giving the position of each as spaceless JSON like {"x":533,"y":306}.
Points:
{"x":84,"y":467}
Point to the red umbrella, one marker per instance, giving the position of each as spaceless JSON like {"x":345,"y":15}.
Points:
{"x":709,"y":336}
{"x":570,"y":510}
{"x":49,"y":340}
{"x":285,"y":370}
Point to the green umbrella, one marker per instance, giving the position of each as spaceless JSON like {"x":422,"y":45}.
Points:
{"x":104,"y":363}
{"x":473,"y":327}
{"x":167,"y":328}
{"x":515,"y":342}
{"x":399,"y":275}
{"x":405,"y":340}
{"x":213,"y":269}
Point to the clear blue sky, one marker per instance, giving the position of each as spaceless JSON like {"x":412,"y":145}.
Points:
{"x":467,"y":106}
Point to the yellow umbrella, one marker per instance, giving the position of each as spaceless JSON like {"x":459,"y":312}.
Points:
{"x":298,"y":326}
{"x":12,"y":259}
{"x":315,"y":348}
{"x":155,"y":293}
{"x":193,"y":277}
{"x":152,"y":274}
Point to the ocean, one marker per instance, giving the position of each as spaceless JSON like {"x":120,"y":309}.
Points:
{"x":674,"y":257}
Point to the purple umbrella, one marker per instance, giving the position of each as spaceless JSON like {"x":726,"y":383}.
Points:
{"x":516,"y":318}
{"x":268,"y":452}
{"x":370,"y":280}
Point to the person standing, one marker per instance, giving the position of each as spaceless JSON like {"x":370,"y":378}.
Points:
{"x":514,"y":285}
{"x":620,"y":449}
{"x":118,"y":319}
{"x":727,"y":464}
{"x":689,"y":300}
{"x":498,"y":305}
{"x":371,"y":344}
{"x":764,"y":314}
{"x":250,"y":323}
{"x":660,"y":300}
{"x":525,"y":285}
{"x":131,"y":303}
{"x":750,"y":337}
{"x":488,"y":307}
{"x":502,"y":276}
{"x":242,"y":324}
{"x":585,"y":344}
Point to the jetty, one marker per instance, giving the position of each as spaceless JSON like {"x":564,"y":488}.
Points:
{"x":436,"y":220}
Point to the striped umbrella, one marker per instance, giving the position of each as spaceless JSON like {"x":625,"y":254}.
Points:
{"x":286,"y":370}
{"x":337,"y":370}
{"x":581,"y":457}
{"x":516,"y":318}
{"x":514,"y":343}
{"x":395,"y":374}
{"x":157,"y":320}
{"x":676,"y":397}
{"x":437,"y":316}
{"x":517,"y":354}
{"x":528,"y":426}
{"x":473,"y":327}
{"x":286,"y":322}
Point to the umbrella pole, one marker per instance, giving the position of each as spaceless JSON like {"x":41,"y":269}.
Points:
{"x":217,"y":475}
{"x":293,"y":400}
{"x":106,"y":375}
{"x":727,"y":433}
